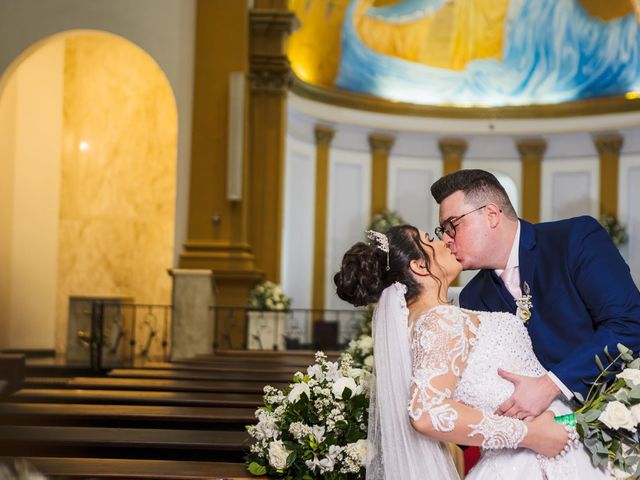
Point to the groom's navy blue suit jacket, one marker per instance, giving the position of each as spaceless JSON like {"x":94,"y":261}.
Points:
{"x":582,"y":293}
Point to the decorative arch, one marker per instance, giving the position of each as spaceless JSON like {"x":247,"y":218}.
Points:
{"x":92,"y":125}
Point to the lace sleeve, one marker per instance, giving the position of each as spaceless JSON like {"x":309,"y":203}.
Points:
{"x":440,"y":344}
{"x":439,"y":348}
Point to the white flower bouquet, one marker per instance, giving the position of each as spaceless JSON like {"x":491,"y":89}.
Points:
{"x":268,"y":296}
{"x":317,"y":427}
{"x":607,"y":420}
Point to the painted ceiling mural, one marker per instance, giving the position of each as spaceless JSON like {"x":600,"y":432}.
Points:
{"x":470,"y":52}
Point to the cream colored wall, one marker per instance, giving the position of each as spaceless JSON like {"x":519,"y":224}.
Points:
{"x":7,"y":154}
{"x":33,"y":185}
{"x":118,"y":203}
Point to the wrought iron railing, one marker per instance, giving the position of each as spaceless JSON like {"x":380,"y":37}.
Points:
{"x":111,"y":334}
{"x":294,"y":329}
{"x":114,"y":334}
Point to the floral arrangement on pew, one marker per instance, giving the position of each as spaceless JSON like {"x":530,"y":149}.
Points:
{"x":268,"y":296}
{"x":315,"y":428}
{"x":608,"y":418}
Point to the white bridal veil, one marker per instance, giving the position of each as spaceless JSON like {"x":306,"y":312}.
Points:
{"x":396,"y":450}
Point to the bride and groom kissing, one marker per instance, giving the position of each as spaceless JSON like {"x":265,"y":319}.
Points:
{"x":494,"y":372}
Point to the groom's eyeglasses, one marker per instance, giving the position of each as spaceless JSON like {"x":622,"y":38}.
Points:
{"x":449,"y":227}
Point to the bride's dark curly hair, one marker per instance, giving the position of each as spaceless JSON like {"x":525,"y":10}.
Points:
{"x":363,"y":275}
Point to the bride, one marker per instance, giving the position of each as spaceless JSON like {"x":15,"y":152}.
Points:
{"x":436,"y":372}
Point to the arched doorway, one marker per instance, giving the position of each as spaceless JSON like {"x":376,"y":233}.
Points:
{"x":88,"y":123}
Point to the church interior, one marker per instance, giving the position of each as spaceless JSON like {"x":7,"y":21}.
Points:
{"x":161,"y":159}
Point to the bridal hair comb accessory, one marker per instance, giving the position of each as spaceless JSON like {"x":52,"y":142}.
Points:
{"x":382,"y":242}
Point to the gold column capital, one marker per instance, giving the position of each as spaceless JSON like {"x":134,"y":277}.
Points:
{"x":608,"y":144}
{"x":270,"y":20}
{"x":269,"y":68}
{"x":531,"y":148}
{"x":452,"y":147}
{"x":269,"y":73}
{"x":323,"y":134}
{"x":381,"y":143}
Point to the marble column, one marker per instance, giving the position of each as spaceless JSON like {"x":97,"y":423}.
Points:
{"x":452,"y":150}
{"x":193,"y":324}
{"x":608,"y":147}
{"x":531,"y":154}
{"x":381,"y":146}
{"x":323,"y":135}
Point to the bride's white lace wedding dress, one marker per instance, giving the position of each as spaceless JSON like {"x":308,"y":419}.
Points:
{"x":468,"y":348}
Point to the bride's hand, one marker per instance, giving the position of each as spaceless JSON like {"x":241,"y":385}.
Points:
{"x":545,"y":436}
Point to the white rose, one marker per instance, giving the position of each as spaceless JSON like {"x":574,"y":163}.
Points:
{"x":366,"y":343}
{"x":278,"y":455}
{"x":630,"y":374}
{"x":361,"y":449}
{"x":616,"y":415}
{"x":297,"y":390}
{"x":341,"y":384}
{"x":616,"y":473}
{"x":368,"y":361}
{"x":326,"y":464}
{"x":635,"y":411}
{"x":315,"y":371}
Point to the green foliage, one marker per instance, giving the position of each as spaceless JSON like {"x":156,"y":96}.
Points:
{"x":383,"y":221}
{"x":615,"y":229}
{"x":607,"y":420}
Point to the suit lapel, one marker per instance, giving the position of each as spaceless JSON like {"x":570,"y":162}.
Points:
{"x":494,"y":294}
{"x":527,"y":255}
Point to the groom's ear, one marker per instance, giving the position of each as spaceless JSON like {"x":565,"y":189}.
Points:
{"x":494,"y":213}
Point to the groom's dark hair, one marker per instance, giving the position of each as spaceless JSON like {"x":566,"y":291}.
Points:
{"x":478,"y":186}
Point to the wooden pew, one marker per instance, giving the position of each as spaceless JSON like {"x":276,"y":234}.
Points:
{"x":12,"y":372}
{"x":189,"y":414}
{"x":107,"y":468}
{"x":137,"y":397}
{"x":265,"y":376}
{"x":149,"y":443}
{"x":152,"y":384}
{"x":133,"y":416}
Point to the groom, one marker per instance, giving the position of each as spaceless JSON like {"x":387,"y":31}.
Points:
{"x":582,"y":295}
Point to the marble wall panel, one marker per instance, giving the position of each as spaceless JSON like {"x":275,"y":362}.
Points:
{"x":118,"y":177}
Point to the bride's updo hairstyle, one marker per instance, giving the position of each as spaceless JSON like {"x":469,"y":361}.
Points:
{"x":363,"y":274}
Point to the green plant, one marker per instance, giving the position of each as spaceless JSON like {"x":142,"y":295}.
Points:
{"x":616,"y":230}
{"x":383,"y":221}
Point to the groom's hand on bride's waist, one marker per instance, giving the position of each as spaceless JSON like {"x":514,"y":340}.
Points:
{"x":531,"y":397}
